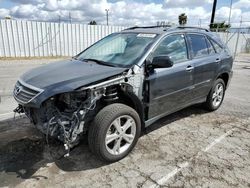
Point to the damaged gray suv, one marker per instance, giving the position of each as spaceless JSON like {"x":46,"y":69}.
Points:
{"x":123,"y":83}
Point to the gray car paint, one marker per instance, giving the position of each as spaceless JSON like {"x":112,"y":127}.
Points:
{"x":169,"y":88}
{"x":175,"y":79}
{"x":66,"y":76}
{"x":174,"y":88}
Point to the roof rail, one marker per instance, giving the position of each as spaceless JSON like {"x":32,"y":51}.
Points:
{"x":192,"y":27}
{"x":147,"y":27}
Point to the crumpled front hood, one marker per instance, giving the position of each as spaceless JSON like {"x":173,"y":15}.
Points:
{"x":68,"y":75}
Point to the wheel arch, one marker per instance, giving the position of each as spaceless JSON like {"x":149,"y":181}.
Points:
{"x":225,"y":77}
{"x":126,"y":96}
{"x":130,"y":99}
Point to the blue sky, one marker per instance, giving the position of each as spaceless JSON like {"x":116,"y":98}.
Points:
{"x":125,"y":12}
{"x":7,"y":4}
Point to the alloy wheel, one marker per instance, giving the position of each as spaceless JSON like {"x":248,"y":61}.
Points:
{"x":218,"y":94}
{"x":120,"y":135}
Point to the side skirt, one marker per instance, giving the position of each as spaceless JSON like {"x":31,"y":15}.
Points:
{"x":156,"y":118}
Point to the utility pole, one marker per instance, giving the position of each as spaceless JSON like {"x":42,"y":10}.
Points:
{"x":213,"y":12}
{"x":237,"y":40}
{"x":107,"y":15}
{"x":229,"y":18}
{"x":70,"y":20}
{"x":199,"y":23}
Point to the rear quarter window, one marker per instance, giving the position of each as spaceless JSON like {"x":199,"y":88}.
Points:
{"x":218,"y":48}
{"x":211,"y":49}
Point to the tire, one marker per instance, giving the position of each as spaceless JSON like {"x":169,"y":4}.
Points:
{"x":104,"y":128}
{"x":211,"y":103}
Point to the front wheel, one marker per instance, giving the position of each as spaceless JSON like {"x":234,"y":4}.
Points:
{"x":216,"y":95}
{"x":114,"y":132}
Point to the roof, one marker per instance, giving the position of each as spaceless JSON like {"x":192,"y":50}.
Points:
{"x":164,"y":29}
{"x":161,"y":30}
{"x":155,"y":30}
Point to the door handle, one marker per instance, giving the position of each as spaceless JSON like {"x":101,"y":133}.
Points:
{"x":189,"y":68}
{"x":217,"y":60}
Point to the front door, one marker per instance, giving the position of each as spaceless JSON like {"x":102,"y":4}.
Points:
{"x":170,"y":88}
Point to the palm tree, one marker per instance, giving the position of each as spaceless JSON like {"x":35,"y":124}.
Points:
{"x":93,"y":22}
{"x":182,"y":19}
{"x":221,"y":27}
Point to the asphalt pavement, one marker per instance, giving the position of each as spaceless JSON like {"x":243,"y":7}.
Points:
{"x":190,"y":148}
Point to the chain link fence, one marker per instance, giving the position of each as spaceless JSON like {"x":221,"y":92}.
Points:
{"x":237,"y":40}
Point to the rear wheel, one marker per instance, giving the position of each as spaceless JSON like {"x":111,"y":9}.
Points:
{"x":114,"y":132}
{"x":216,"y":95}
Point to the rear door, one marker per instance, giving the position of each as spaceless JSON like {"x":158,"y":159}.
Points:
{"x":205,"y":62}
{"x":170,"y":88}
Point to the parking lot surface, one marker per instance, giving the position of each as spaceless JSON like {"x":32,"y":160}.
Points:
{"x":190,"y":148}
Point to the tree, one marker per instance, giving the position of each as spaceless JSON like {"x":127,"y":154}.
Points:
{"x":182,"y":19}
{"x":221,"y":26}
{"x":93,"y":22}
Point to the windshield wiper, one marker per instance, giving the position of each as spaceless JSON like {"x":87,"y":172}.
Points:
{"x":98,"y":62}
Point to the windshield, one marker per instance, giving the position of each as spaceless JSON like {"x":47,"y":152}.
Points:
{"x":119,"y":49}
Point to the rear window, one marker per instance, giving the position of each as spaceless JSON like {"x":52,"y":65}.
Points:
{"x":198,"y":45}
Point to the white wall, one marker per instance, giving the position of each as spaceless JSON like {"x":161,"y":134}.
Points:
{"x":29,"y":38}
{"x":37,"y":39}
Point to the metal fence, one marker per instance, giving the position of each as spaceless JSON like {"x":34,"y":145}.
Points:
{"x":237,"y":42}
{"x":20,"y":38}
{"x":39,"y":39}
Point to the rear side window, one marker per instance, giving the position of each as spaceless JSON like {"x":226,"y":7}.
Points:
{"x":210,"y":47}
{"x":198,"y":44}
{"x":217,"y":47}
{"x":173,"y":46}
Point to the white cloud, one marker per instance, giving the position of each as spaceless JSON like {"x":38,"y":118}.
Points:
{"x":244,"y":4}
{"x":126,"y":12}
{"x":186,"y":3}
{"x":4,"y":12}
{"x":222,"y":14}
{"x":25,"y":11}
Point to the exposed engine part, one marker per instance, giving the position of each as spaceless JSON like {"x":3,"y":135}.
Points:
{"x":110,"y":94}
{"x":63,"y":116}
{"x":19,"y":109}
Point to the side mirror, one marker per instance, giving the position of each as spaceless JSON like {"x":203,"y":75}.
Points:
{"x":161,"y":62}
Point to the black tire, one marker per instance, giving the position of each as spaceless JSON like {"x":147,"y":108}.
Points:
{"x":100,"y":126}
{"x":209,"y":102}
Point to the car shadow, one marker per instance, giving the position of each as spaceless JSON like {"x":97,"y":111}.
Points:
{"x":186,"y":112}
{"x":24,"y":150}
{"x":21,"y":156}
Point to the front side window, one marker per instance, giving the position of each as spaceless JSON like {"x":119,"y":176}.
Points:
{"x":119,"y":49}
{"x":173,"y":46}
{"x":198,"y":44}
